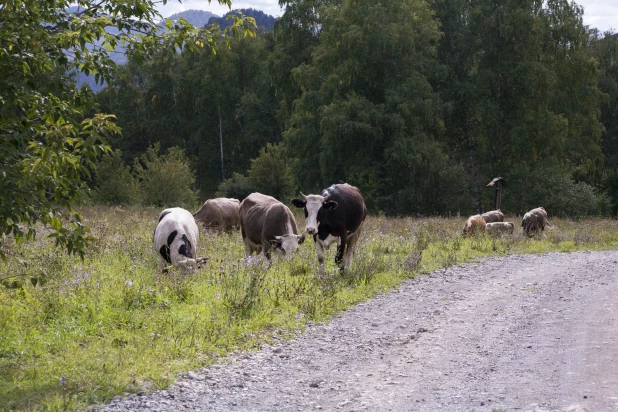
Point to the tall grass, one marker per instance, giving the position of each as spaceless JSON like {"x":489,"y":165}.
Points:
{"x":74,"y":332}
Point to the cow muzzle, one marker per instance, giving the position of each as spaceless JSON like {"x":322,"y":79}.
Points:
{"x":312,"y":230}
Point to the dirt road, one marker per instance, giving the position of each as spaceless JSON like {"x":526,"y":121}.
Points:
{"x":536,"y":332}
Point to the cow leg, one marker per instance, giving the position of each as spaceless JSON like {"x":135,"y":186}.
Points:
{"x":266,"y":249}
{"x":248,"y":249}
{"x":319,"y":250}
{"x":352,"y":240}
{"x":341,"y":251}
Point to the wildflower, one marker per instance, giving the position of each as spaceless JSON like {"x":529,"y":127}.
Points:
{"x":128,"y":283}
{"x":63,"y":379}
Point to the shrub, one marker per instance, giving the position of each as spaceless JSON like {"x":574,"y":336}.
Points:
{"x":271,"y":174}
{"x":555,"y":190}
{"x":237,"y":187}
{"x":165,"y":180}
{"x":113,"y":181}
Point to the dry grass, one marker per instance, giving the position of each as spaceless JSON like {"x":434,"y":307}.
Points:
{"x":74,"y":333}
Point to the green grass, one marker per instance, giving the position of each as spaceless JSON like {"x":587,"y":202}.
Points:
{"x":74,"y":333}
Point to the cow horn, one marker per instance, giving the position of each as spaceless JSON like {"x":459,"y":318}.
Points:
{"x":303,"y":195}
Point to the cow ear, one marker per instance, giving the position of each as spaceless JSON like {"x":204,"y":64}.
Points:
{"x":330,"y":205}
{"x":298,"y":203}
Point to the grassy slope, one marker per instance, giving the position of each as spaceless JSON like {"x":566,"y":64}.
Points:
{"x":113,"y":323}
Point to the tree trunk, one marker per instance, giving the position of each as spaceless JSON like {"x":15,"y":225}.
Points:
{"x":221,"y":143}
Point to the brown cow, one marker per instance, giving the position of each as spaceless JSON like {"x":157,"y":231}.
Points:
{"x":498,"y":228}
{"x":265,"y":222}
{"x":534,"y":221}
{"x":474,"y":224}
{"x":493,"y":216}
{"x":219,"y":214}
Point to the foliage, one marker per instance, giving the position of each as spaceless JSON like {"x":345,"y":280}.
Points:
{"x":114,"y":183}
{"x":165,"y":180}
{"x":556,"y":191}
{"x":236,"y":187}
{"x":270,"y":173}
{"x":50,"y":132}
{"x":418,"y":104}
{"x":521,"y":87}
{"x":80,"y":332}
{"x":264,"y":22}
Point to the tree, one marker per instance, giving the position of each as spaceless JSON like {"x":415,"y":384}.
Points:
{"x":368,"y":114}
{"x":164,"y":180}
{"x":521,"y":93}
{"x":50,"y":132}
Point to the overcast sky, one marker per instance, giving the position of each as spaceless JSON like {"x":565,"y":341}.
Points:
{"x":602,"y":14}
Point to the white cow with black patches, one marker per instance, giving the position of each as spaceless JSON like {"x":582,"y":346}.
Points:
{"x":175,"y":239}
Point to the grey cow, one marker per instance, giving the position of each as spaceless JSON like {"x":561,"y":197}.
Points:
{"x":267,"y":223}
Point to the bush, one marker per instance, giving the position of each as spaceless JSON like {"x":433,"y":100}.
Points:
{"x":165,"y":180}
{"x":271,"y":174}
{"x":236,"y":187}
{"x":113,"y":181}
{"x":554,"y":189}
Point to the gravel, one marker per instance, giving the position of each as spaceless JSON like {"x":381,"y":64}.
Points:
{"x":532,"y":332}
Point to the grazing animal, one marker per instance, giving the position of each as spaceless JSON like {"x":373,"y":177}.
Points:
{"x":498,"y":228}
{"x":474,"y":224}
{"x":534,"y":221}
{"x":337,"y":215}
{"x":175,"y":239}
{"x":265,"y":222}
{"x":493,"y":216}
{"x":221,"y":214}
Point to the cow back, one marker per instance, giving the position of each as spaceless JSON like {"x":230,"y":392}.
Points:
{"x":349,"y":213}
{"x":252,"y":212}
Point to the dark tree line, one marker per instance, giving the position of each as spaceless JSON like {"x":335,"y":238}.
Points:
{"x":420,"y":104}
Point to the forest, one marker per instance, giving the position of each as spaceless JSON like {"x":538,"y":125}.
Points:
{"x":419,"y":104}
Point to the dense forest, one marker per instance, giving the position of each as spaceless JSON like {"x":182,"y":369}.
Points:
{"x":419,"y":104}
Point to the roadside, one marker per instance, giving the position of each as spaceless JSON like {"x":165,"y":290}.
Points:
{"x":533,"y":332}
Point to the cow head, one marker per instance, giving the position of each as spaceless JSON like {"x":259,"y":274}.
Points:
{"x":312,"y":205}
{"x":287,"y":243}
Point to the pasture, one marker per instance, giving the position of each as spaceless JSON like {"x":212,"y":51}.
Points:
{"x":74,"y":333}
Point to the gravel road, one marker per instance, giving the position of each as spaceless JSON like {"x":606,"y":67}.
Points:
{"x":534,"y":332}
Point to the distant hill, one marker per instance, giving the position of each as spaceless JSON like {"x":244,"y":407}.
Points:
{"x":265,"y":22}
{"x":198,"y":18}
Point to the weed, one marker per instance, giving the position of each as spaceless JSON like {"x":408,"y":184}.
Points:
{"x":115,"y":320}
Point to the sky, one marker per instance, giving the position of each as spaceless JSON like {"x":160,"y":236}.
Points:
{"x":602,"y":14}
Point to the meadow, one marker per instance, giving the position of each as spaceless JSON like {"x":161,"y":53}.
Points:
{"x":75,"y":333}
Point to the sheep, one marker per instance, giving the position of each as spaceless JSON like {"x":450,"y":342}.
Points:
{"x":493,"y":216}
{"x":474,"y":224}
{"x":498,"y":228}
{"x":534,"y":221}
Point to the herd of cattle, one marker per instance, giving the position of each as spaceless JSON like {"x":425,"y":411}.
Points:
{"x":335,"y":215}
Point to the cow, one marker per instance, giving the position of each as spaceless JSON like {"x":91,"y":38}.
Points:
{"x":175,"y":239}
{"x":475,"y":224}
{"x":493,"y":216}
{"x":220,"y":214}
{"x":265,"y":222}
{"x":534,"y":221}
{"x":337,"y":215}
{"x":498,"y":228}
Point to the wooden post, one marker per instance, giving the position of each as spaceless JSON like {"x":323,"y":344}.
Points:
{"x":497,"y":183}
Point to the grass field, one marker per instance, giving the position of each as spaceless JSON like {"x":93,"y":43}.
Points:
{"x":75,"y":333}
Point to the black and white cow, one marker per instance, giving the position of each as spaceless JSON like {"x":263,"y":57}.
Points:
{"x":175,"y":239}
{"x":337,"y":215}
